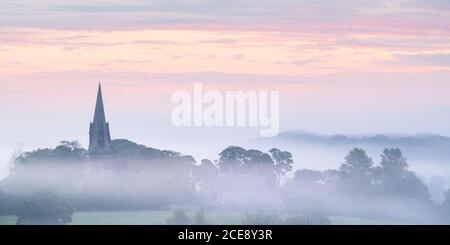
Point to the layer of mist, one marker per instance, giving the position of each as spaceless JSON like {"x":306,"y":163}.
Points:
{"x":137,"y":177}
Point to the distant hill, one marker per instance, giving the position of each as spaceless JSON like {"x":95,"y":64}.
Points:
{"x":421,"y":146}
{"x":435,"y":142}
{"x":427,"y":153}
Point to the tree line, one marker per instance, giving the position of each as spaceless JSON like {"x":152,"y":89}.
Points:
{"x":358,"y":181}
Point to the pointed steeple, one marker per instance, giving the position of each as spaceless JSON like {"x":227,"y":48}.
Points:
{"x":99,"y":115}
{"x":99,"y":136}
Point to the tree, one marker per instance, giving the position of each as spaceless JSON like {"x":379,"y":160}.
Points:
{"x":235,"y":161}
{"x":206,"y":173}
{"x":393,"y":162}
{"x":357,"y":171}
{"x":206,"y":176}
{"x":257,"y":161}
{"x":307,"y":177}
{"x":8,"y":203}
{"x":445,"y":206}
{"x":66,"y":151}
{"x":436,"y":187}
{"x":44,"y":208}
{"x":187,"y":160}
{"x":231,"y":159}
{"x":397,"y":179}
{"x":283,"y":162}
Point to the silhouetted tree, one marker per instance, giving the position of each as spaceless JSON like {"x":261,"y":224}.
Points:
{"x":206,"y":173}
{"x":307,"y":177}
{"x":283,"y":162}
{"x":44,"y":208}
{"x":231,"y":159}
{"x":392,"y":162}
{"x":397,"y":179}
{"x":436,"y":186}
{"x":259,"y":164}
{"x":331,"y":176}
{"x":236,"y":160}
{"x":66,"y":151}
{"x":206,"y":176}
{"x":445,"y":207}
{"x":357,"y":172}
{"x":8,"y":203}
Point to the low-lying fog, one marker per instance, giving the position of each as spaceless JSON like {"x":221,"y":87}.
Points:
{"x":326,"y":179}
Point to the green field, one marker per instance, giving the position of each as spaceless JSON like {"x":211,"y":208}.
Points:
{"x":160,"y":218}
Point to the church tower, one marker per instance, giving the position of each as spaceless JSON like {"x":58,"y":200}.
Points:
{"x":99,"y":138}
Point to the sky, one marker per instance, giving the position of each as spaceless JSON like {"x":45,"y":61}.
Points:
{"x":350,"y":67}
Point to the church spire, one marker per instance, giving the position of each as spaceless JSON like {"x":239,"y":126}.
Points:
{"x":99,"y":136}
{"x":99,"y":115}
